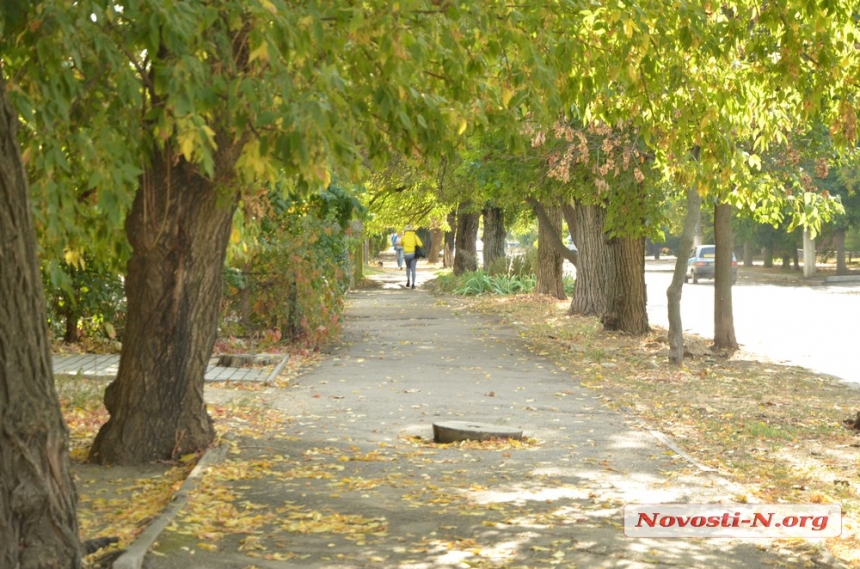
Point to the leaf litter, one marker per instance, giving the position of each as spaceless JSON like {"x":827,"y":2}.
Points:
{"x":777,"y":430}
{"x":781,"y":439}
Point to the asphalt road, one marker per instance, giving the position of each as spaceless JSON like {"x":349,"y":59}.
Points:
{"x":810,"y":326}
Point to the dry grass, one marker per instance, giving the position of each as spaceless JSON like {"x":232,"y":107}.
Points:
{"x":775,"y":429}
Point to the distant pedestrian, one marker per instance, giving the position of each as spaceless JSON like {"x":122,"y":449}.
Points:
{"x":397,"y":243}
{"x":410,"y":240}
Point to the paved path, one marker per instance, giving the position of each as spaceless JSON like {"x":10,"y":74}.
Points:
{"x":99,"y":366}
{"x":351,"y":478}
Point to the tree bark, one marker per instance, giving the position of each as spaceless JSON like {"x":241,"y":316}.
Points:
{"x":550,"y":269}
{"x":768,"y":250}
{"x":494,"y":239}
{"x":435,"y":245}
{"x":724,"y":324}
{"x":673,"y":293}
{"x":465,"y":254}
{"x":178,"y":228}
{"x":552,"y":230}
{"x":448,"y":254}
{"x":569,"y":214}
{"x":589,"y":294}
{"x":839,"y":244}
{"x":38,"y":527}
{"x":627,"y":297}
{"x":71,"y":316}
{"x":748,"y":254}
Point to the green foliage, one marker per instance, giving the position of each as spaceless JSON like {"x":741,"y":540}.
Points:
{"x":291,"y":282}
{"x":88,"y":302}
{"x":479,"y":282}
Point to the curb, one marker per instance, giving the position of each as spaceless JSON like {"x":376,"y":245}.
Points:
{"x":277,"y":371}
{"x":820,"y":557}
{"x":132,"y":557}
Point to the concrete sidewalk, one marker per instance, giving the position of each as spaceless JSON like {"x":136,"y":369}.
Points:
{"x":106,"y":366}
{"x":351,"y":477}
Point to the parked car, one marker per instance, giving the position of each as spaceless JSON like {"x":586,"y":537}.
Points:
{"x":700,"y":265}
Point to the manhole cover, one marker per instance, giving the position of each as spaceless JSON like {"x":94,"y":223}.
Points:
{"x":456,"y":431}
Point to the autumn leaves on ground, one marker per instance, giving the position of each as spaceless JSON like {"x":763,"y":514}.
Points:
{"x":776,"y":430}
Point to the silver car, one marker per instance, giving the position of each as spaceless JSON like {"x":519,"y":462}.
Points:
{"x":700,"y":265}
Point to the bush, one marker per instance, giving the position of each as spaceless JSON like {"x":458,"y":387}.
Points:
{"x":85,"y":300}
{"x":479,"y":282}
{"x":292,"y":283}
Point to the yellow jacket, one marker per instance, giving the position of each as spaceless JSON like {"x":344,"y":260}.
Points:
{"x":409,"y":242}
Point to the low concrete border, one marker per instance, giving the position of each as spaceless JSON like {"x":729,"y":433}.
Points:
{"x":277,"y":371}
{"x":134,"y":554}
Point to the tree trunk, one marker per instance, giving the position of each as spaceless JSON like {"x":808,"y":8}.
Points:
{"x":839,"y":244}
{"x":71,"y":316}
{"x":38,"y":527}
{"x":448,"y":255}
{"x":589,"y":294}
{"x":435,"y":245}
{"x":569,"y":214}
{"x":748,"y":254}
{"x":724,"y":324}
{"x":768,"y":254}
{"x":627,"y":295}
{"x":552,"y":233}
{"x":673,"y":293}
{"x":494,"y":239}
{"x":550,"y":269}
{"x":465,"y":254}
{"x":178,"y":229}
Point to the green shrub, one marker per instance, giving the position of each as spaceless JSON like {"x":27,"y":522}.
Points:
{"x":479,"y":282}
{"x":292,"y":282}
{"x":84,"y":300}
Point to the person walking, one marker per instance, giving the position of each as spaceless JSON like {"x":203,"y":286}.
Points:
{"x":410,"y":240}
{"x":397,"y":243}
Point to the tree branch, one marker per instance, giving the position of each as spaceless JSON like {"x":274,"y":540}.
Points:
{"x":555,"y":239}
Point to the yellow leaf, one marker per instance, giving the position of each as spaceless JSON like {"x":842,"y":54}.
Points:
{"x":74,"y":258}
{"x":188,"y":457}
{"x":629,"y":28}
{"x":261,"y":53}
{"x":507,"y":95}
{"x":463,"y":126}
{"x":187,"y":140}
{"x":208,"y":546}
{"x":210,"y":135}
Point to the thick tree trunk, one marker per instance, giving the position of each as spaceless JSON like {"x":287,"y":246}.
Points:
{"x":839,"y":244}
{"x":627,"y":294}
{"x":550,"y":270}
{"x":494,"y":239}
{"x":435,"y":245}
{"x":178,"y":229}
{"x":38,"y":527}
{"x":724,"y":324}
{"x":448,"y":254}
{"x":673,"y":293}
{"x":590,"y":292}
{"x":465,"y":254}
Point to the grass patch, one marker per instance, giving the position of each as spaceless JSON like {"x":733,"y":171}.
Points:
{"x":775,"y":429}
